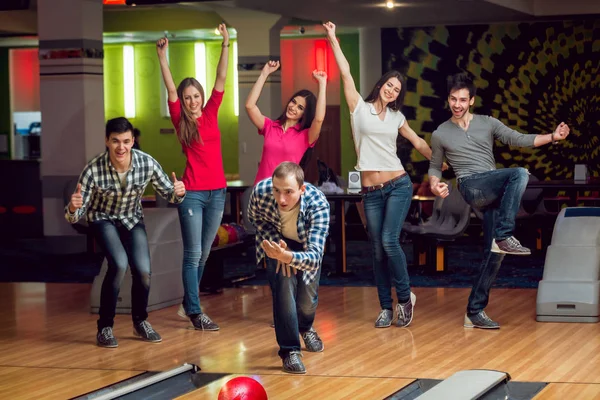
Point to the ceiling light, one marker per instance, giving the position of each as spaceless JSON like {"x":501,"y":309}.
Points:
{"x":389,"y":4}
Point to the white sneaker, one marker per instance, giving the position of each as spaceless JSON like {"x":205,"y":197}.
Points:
{"x":181,"y":312}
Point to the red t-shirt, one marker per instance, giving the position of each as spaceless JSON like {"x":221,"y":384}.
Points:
{"x":204,"y":164}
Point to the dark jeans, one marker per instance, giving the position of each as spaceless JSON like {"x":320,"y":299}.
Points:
{"x":200,"y":216}
{"x":294,"y":303}
{"x":385,"y":211}
{"x":123,"y":247}
{"x":498,"y":195}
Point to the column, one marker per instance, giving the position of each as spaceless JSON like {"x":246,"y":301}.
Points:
{"x":71,"y":99}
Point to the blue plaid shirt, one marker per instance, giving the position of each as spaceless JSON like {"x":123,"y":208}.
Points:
{"x":313,"y":225}
{"x":105,"y":199}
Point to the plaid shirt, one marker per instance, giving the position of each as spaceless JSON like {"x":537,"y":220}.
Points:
{"x":105,"y":199}
{"x":313,"y":225}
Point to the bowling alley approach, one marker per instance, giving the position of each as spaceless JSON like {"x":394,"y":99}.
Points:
{"x":242,"y":199}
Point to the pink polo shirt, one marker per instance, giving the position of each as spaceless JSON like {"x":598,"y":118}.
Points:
{"x":280,"y":147}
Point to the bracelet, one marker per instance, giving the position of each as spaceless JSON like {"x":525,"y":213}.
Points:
{"x":552,"y":138}
{"x":224,"y":45}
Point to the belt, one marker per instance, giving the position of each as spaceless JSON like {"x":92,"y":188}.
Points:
{"x":367,"y":189}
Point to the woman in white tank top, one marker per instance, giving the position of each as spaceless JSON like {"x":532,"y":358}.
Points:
{"x":387,"y":189}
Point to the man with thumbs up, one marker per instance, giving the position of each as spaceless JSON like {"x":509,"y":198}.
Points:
{"x":109,"y":193}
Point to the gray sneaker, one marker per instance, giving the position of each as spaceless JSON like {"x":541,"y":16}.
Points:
{"x":202,"y":322}
{"x":405,"y":311}
{"x":510,"y":245}
{"x":481,"y":321}
{"x":105,"y":338}
{"x":145,"y":331}
{"x":312,"y":341}
{"x":292,"y":364}
{"x":384,"y":319}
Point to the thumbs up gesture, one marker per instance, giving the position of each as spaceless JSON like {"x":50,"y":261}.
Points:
{"x":178,"y":186}
{"x":76,"y":199}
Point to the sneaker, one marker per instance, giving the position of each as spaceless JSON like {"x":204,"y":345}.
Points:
{"x":181,"y":312}
{"x":202,"y":322}
{"x":312,"y":341}
{"x":146,"y":332}
{"x":480,"y":320}
{"x":384,"y":319}
{"x":510,"y":245}
{"x":105,"y":338}
{"x":405,"y":311}
{"x":292,"y":364}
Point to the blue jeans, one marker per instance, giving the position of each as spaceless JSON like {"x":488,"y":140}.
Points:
{"x":123,"y":247}
{"x":294,"y":303}
{"x":498,"y":194}
{"x":385,"y":211}
{"x":200,"y":216}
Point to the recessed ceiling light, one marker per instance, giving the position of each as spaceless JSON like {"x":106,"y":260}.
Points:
{"x":389,"y":4}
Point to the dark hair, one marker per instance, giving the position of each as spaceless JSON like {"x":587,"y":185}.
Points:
{"x":118,"y":125}
{"x":309,"y":111}
{"x":288,"y":168}
{"x":461,"y":81}
{"x":188,"y":125}
{"x":136,"y":133}
{"x":374,"y":95}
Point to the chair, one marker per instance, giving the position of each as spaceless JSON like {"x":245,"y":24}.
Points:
{"x":449,"y":220}
{"x":244,"y":201}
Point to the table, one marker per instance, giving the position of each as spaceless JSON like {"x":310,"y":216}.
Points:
{"x":570,"y":186}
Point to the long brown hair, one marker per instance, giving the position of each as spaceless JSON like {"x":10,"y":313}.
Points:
{"x":373,"y":97}
{"x":188,"y":125}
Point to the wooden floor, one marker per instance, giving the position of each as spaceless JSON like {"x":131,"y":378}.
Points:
{"x":47,"y":342}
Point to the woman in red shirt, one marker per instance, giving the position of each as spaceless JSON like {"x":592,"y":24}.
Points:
{"x":201,"y":212}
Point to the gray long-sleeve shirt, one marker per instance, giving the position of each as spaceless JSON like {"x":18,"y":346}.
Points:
{"x":471,"y":151}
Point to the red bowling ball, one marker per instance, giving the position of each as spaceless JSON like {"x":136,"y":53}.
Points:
{"x":242,"y":388}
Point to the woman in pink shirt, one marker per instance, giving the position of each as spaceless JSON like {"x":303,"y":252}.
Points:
{"x":201,"y":212}
{"x":296,"y":130}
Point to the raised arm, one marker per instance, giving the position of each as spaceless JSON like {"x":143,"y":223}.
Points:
{"x":350,"y":91}
{"x":315,"y":128}
{"x":251,"y":108}
{"x":161,"y":49}
{"x":223,"y":60}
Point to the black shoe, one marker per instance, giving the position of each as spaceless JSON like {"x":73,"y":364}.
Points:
{"x":105,"y":338}
{"x":510,"y":245}
{"x":146,"y":332}
{"x":202,"y":322}
{"x":481,"y":321}
{"x":292,"y":364}
{"x":312,"y":341}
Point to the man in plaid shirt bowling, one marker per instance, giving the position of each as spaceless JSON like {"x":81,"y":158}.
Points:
{"x":109,"y":190}
{"x":292,"y":221}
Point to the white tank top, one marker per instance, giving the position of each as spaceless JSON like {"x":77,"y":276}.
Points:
{"x":374,"y":139}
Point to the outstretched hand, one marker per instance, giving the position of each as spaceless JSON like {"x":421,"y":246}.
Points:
{"x":330,"y":29}
{"x":561,"y":132}
{"x":271,"y":67}
{"x":224,"y":32}
{"x":161,"y":46}
{"x":320,"y":76}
